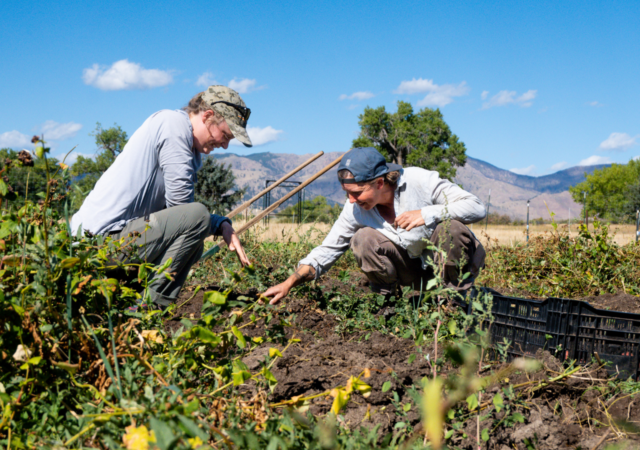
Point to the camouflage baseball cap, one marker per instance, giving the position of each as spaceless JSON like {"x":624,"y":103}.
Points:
{"x":236,"y":118}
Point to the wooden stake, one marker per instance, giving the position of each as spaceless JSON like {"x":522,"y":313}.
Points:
{"x":213,"y":250}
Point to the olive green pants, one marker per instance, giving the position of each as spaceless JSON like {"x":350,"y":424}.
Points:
{"x":177,"y":233}
{"x":386,"y":265}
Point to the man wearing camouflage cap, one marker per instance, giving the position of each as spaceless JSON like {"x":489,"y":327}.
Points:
{"x":151,"y":184}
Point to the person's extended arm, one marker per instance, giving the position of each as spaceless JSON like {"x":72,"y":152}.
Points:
{"x":302,"y":275}
{"x":321,"y":258}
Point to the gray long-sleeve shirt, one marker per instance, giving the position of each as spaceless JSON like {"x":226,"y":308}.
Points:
{"x":418,"y":189}
{"x":156,"y":170}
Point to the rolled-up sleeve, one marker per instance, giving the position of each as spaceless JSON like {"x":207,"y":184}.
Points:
{"x":323,"y":257}
{"x":450,"y":201}
{"x":216,"y":224}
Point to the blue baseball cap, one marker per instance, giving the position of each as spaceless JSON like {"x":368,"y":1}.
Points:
{"x":365,"y":164}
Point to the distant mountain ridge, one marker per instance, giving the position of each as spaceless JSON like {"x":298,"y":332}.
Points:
{"x":553,"y":183}
{"x":509,"y":191}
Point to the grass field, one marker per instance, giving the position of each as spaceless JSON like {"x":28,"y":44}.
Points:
{"x":504,"y":234}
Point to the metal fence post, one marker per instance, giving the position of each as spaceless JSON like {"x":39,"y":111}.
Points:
{"x":528,"y":220}
{"x":488,"y":207}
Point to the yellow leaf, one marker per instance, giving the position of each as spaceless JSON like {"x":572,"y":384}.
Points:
{"x":367,"y":373}
{"x":274,"y":352}
{"x":341,"y":400}
{"x":355,"y":384}
{"x":63,"y":166}
{"x":432,"y":411}
{"x":137,"y":438}
{"x":153,"y":336}
{"x":195,"y":442}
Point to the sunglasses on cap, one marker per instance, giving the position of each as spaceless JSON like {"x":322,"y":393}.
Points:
{"x":244,"y":115}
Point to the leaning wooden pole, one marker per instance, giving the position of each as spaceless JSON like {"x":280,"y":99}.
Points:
{"x":248,"y":203}
{"x":213,"y":250}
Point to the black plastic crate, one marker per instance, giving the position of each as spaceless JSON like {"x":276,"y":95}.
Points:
{"x":568,"y":329}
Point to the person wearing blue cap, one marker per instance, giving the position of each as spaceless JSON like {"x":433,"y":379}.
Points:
{"x":393,"y":216}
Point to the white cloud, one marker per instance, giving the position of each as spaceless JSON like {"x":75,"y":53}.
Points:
{"x":558,"y":166}
{"x":636,"y":158}
{"x":438,"y":95}
{"x":14,"y":139}
{"x":124,"y":74}
{"x":484,"y":95}
{"x":524,"y":171}
{"x":360,"y":95}
{"x":55,"y":131}
{"x":595,"y":104}
{"x":260,"y":136}
{"x":206,"y":80}
{"x":618,"y":142}
{"x":595,"y":159}
{"x":504,"y":98}
{"x":244,"y":85}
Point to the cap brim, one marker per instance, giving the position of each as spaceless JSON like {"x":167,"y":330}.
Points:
{"x":240,"y":134}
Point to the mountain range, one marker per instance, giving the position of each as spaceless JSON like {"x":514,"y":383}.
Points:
{"x":509,"y":191}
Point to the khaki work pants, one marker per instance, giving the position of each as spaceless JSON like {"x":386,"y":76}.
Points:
{"x":178,"y":233}
{"x":386,"y":265}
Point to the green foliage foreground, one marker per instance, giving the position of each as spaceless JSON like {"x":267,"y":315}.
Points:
{"x":78,"y":372}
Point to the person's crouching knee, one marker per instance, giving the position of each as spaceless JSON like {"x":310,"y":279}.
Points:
{"x":199,"y":220}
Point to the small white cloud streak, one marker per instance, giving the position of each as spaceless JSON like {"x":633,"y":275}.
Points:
{"x":524,"y":171}
{"x":595,"y":104}
{"x":558,"y":166}
{"x":14,"y":139}
{"x":244,"y":85}
{"x":594,"y":160}
{"x":618,"y":142}
{"x":52,"y":130}
{"x":206,"y":80}
{"x":438,"y":95}
{"x":504,"y":98}
{"x":125,"y":75}
{"x":484,"y":95}
{"x":260,"y":136}
{"x":360,"y":95}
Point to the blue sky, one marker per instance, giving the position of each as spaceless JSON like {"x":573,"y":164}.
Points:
{"x":532,"y":86}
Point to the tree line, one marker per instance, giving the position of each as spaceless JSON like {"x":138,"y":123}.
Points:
{"x":613,"y":193}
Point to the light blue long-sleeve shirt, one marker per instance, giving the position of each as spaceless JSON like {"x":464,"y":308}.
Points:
{"x":418,"y":189}
{"x":156,"y":170}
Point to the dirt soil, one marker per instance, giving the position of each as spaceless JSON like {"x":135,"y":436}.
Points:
{"x":556,"y":417}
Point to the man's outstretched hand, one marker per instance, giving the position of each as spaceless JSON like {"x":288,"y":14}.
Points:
{"x":277,"y":293}
{"x":409,"y":220}
{"x":231,"y":239}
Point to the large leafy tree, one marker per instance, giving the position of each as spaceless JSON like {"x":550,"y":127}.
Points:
{"x":421,"y":139}
{"x":612,"y":192}
{"x":87,"y":171}
{"x":214,"y":187}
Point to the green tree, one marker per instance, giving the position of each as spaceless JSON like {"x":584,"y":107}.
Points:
{"x":609,"y":191}
{"x":87,"y":171}
{"x":421,"y":139}
{"x":315,"y":210}
{"x":214,"y":185}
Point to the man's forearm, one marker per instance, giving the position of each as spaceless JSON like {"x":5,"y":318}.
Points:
{"x":303,"y":274}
